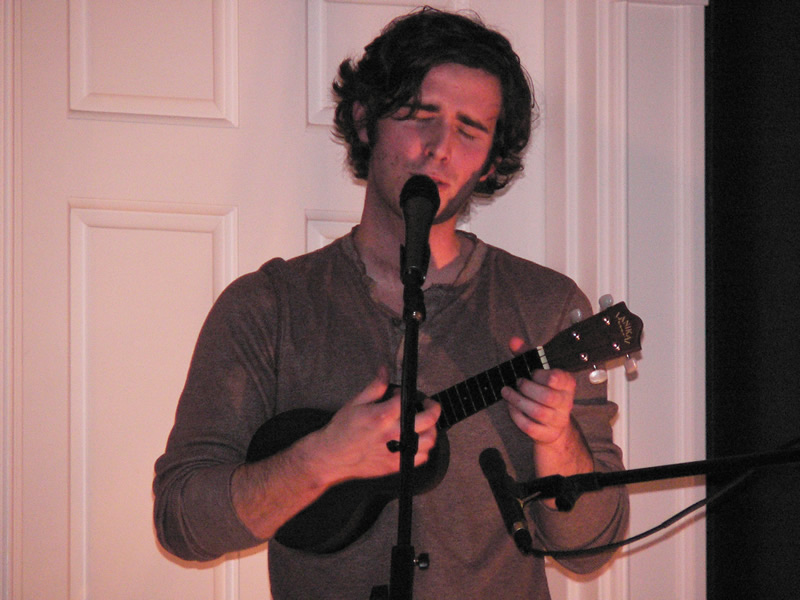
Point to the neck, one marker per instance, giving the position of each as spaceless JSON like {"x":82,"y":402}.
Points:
{"x":379,"y":239}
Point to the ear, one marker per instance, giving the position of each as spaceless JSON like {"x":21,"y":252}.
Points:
{"x":360,"y":121}
{"x":488,"y":173}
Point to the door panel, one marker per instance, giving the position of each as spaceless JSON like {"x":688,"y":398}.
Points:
{"x":140,"y":285}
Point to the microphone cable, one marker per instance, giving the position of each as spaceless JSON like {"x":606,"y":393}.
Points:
{"x":708,"y":500}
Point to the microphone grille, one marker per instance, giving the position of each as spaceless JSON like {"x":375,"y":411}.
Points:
{"x":420,"y":186}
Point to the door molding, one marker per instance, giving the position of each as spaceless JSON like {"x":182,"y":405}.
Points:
{"x":598,"y":184}
{"x":9,"y":255}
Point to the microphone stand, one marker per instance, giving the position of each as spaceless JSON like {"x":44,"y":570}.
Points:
{"x":419,"y":201}
{"x":401,"y":581}
{"x":567,"y":490}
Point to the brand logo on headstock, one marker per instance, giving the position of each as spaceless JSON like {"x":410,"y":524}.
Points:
{"x":625,"y":327}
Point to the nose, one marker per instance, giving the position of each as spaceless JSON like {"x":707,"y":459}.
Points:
{"x":439,"y":141}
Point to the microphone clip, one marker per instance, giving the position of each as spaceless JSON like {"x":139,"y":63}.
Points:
{"x":414,"y":275}
{"x":413,"y":297}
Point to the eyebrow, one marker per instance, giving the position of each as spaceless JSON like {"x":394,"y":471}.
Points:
{"x":465,"y":119}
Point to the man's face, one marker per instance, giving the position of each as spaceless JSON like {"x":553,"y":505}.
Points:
{"x":448,"y":139}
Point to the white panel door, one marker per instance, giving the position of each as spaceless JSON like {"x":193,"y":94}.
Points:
{"x":166,"y":147}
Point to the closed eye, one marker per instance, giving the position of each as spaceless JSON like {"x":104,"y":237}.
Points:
{"x":472,"y":123}
{"x":469,"y":127}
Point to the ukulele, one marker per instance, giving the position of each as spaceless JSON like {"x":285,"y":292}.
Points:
{"x":346,"y":511}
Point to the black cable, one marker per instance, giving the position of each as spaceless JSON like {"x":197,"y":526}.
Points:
{"x":673,"y":519}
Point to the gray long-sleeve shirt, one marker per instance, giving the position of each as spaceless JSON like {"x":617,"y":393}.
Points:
{"x":309,"y":333}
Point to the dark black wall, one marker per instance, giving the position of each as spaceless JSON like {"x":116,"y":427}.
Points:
{"x":753,"y":283}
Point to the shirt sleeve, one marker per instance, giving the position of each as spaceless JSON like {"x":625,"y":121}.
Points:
{"x":225,"y":399}
{"x":599,"y":517}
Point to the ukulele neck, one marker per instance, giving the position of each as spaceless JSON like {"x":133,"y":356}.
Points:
{"x":481,"y":391}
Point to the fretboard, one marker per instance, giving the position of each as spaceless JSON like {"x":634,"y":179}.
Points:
{"x":481,"y":391}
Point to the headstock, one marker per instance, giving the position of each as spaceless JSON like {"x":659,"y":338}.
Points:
{"x":611,"y":334}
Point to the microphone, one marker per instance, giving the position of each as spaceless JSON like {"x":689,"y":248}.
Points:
{"x":494,"y":469}
{"x":419,"y":201}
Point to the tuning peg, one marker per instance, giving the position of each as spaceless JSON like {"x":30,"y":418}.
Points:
{"x":575,"y":316}
{"x":606,"y":301}
{"x":598,"y":376}
{"x":631,"y":366}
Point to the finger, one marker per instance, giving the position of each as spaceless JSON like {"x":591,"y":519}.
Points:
{"x":426,"y":442}
{"x":543,"y":405}
{"x":526,"y":405}
{"x":516,"y":344}
{"x":540,"y":394}
{"x":375,"y":389}
{"x":428,"y":417}
{"x":555,"y":379}
{"x":423,"y":454}
{"x":526,"y":423}
{"x":540,"y":423}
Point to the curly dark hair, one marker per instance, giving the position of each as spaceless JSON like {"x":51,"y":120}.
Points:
{"x":389,"y":76}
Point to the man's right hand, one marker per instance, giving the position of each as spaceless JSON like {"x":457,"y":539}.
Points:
{"x":354,"y":444}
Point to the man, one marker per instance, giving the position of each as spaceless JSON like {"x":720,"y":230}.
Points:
{"x":440,"y":95}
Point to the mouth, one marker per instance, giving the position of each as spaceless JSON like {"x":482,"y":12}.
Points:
{"x":440,"y":182}
{"x":437,"y":179}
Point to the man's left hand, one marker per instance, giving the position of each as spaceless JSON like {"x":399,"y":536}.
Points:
{"x":541,"y":407}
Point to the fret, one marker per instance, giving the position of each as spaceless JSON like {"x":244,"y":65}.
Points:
{"x":490,"y":395}
{"x":507,"y":374}
{"x":532,"y":360}
{"x":447,"y":408}
{"x":458,"y":403}
{"x":455,"y":403}
{"x":496,"y":378}
{"x":466,"y":401}
{"x":520,"y":366}
{"x":474,"y":390}
{"x":481,"y":391}
{"x":444,"y":421}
